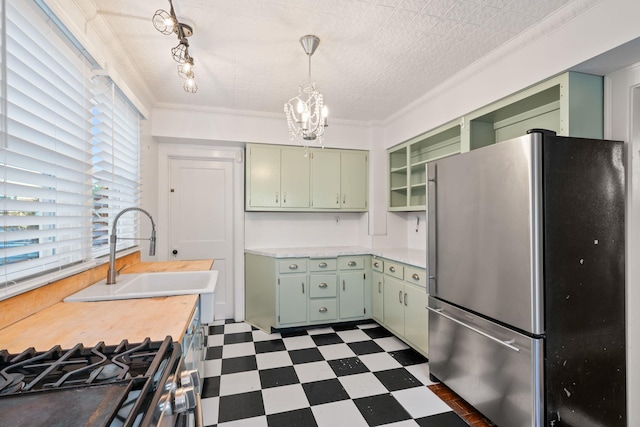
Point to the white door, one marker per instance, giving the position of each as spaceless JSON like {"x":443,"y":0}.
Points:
{"x":201,"y":221}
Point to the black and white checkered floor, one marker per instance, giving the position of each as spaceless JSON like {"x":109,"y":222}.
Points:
{"x":356,"y":375}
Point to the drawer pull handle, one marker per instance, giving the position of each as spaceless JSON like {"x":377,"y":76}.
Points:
{"x":322,"y":309}
{"x":415,"y":276}
{"x":276,"y":197}
{"x":322,"y":265}
{"x":400,"y":296}
{"x":392,"y":269}
{"x":337,"y":198}
{"x":343,"y":286}
{"x":405,"y":298}
{"x":351,"y":264}
{"x":322,"y":285}
{"x":379,"y":287}
{"x":344,"y":198}
{"x":302,"y":284}
{"x":284,"y":198}
{"x":376,"y":264}
{"x":293,"y":266}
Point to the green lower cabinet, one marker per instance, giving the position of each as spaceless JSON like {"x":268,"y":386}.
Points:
{"x":394,"y":305}
{"x":292,"y":299}
{"x":352,"y":295}
{"x":416,"y":317}
{"x":377,"y":296}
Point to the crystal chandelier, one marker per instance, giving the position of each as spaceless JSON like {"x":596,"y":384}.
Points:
{"x":306,"y":112}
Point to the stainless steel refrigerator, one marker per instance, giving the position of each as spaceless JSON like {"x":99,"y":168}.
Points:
{"x":526,"y":264}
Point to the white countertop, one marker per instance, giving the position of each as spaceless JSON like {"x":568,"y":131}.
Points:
{"x":413,"y":257}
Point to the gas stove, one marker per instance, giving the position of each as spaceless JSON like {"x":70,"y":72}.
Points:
{"x":141,"y":384}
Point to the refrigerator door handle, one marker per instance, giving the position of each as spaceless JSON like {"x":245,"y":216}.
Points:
{"x":431,"y":190}
{"x":477,"y":331}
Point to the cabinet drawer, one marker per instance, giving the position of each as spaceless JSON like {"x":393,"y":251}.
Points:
{"x":377,"y":265}
{"x":393,"y":269}
{"x":292,"y":265}
{"x":325,"y":264}
{"x":351,"y":263}
{"x":322,"y":285}
{"x":417,"y":276}
{"x":323,"y":310}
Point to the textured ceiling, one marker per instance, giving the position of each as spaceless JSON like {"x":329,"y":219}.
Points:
{"x":374,"y":58}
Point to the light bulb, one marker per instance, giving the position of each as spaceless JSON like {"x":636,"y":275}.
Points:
{"x":325,"y":111}
{"x":300,"y":107}
{"x":169,"y":22}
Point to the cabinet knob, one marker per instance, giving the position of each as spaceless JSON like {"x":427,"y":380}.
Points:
{"x":322,"y":265}
{"x":392,"y":269}
{"x":415,"y":276}
{"x":293,"y":266}
{"x":376,"y":264}
{"x":322,"y":285}
{"x":322,"y":309}
{"x":351,"y":263}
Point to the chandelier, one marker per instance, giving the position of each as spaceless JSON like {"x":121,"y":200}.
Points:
{"x":306,"y":112}
{"x":167,"y":23}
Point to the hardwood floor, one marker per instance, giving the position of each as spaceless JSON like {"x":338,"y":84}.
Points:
{"x":460,"y":407}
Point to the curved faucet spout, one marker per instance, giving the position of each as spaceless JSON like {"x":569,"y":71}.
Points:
{"x":112,"y":273}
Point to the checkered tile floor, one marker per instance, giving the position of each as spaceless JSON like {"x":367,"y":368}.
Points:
{"x":356,"y":375}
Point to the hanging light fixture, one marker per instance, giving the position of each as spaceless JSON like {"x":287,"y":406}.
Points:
{"x":167,"y":23}
{"x":306,"y":112}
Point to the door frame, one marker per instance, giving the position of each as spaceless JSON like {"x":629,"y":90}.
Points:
{"x":235,"y":155}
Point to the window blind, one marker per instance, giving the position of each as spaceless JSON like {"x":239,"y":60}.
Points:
{"x":116,"y":164}
{"x":46,"y":162}
{"x":69,"y":151}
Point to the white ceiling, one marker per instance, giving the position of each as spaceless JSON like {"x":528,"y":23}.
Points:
{"x":374,"y":58}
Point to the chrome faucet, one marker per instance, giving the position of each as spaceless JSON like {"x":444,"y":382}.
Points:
{"x":112,"y":273}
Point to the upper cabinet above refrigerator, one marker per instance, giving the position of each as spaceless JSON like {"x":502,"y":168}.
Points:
{"x":570,"y":104}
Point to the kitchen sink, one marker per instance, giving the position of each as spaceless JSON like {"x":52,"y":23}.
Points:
{"x":149,"y":285}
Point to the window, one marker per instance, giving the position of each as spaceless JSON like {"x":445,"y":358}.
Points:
{"x":69,"y":154}
{"x":115,"y":141}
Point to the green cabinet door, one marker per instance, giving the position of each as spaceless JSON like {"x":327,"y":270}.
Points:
{"x":264,"y":177}
{"x":294,"y":178}
{"x":377,"y":296}
{"x":394,"y":304}
{"x":353,"y":180}
{"x":292,"y":298}
{"x":352,"y":295}
{"x":325,"y":179}
{"x":416,"y":327}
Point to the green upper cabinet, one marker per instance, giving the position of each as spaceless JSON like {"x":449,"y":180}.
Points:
{"x":339,"y":179}
{"x":294,"y":178}
{"x":263,"y":177}
{"x":571,"y":104}
{"x":407,"y":170}
{"x":325,"y":179}
{"x":288,"y":178}
{"x":353,"y":180}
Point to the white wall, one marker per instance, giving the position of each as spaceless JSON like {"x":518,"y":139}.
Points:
{"x":623,"y":110}
{"x":524,"y":61}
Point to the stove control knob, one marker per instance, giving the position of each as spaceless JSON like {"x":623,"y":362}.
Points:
{"x":190,"y":379}
{"x":184,"y":399}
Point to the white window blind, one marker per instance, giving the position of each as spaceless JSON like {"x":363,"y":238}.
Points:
{"x":69,"y":151}
{"x":46,"y":163}
{"x":116,"y":164}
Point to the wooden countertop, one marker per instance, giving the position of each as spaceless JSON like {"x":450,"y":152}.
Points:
{"x":69,"y":323}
